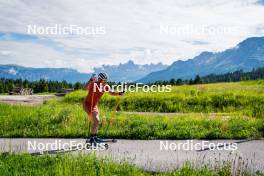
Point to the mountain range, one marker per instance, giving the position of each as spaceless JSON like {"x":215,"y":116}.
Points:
{"x":33,"y":74}
{"x":123,"y":72}
{"x":129,"y":72}
{"x":246,"y":55}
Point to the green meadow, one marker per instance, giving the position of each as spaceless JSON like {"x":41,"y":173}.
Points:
{"x":245,"y":97}
{"x":209,"y":111}
{"x":60,"y":165}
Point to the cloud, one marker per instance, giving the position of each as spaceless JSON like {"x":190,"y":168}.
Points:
{"x":6,"y":53}
{"x":37,"y":55}
{"x":132,"y":30}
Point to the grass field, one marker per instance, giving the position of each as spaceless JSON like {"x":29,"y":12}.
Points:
{"x":246,"y":97}
{"x":239,"y":108}
{"x":61,"y":165}
{"x":68,"y":120}
{"x":212,"y":111}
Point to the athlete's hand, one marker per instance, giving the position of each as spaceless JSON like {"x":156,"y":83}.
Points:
{"x":121,"y":93}
{"x":93,"y":78}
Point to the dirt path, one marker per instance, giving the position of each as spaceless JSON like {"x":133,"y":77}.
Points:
{"x":25,"y":99}
{"x":148,"y":155}
{"x":171,"y":113}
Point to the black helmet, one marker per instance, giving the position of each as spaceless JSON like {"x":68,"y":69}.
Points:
{"x":103,"y":76}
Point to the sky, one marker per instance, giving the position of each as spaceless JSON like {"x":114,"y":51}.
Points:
{"x":89,"y":33}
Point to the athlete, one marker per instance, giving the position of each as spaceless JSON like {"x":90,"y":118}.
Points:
{"x":96,"y":89}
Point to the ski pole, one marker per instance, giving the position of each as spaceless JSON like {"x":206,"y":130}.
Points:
{"x":91,"y":108}
{"x":112,"y":115}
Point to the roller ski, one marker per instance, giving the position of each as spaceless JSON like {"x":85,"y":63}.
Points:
{"x":95,"y":142}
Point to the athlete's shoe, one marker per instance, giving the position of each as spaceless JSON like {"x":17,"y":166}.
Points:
{"x":91,"y":141}
{"x":98,"y":140}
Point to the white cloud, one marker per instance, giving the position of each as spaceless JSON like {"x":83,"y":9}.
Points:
{"x":35,"y":55}
{"x":6,"y":53}
{"x":128,"y":25}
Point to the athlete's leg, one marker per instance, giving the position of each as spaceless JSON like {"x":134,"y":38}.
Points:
{"x":95,"y":122}
{"x":94,"y":115}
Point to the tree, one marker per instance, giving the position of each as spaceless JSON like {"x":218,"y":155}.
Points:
{"x":179,"y":82}
{"x":191,"y":82}
{"x":172,"y":81}
{"x":43,"y":86}
{"x":78,"y":85}
{"x":197,"y":80}
{"x":25,"y":83}
{"x":1,"y":87}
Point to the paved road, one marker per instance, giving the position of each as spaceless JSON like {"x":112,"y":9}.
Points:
{"x":148,"y":155}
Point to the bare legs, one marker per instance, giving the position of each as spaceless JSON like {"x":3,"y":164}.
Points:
{"x":94,"y":116}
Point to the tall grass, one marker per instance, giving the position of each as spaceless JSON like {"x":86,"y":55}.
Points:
{"x":60,"y":165}
{"x":246,"y":97}
{"x":60,"y":119}
{"x":239,"y":107}
{"x":63,"y":165}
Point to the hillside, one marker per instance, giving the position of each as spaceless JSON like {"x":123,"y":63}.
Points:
{"x":246,"y":55}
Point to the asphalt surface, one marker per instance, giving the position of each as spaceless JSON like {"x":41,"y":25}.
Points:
{"x":156,"y":155}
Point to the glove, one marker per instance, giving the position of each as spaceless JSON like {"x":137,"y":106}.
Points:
{"x":92,"y":77}
{"x":121,"y":93}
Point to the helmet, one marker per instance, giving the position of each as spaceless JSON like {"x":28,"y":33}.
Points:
{"x":103,"y":76}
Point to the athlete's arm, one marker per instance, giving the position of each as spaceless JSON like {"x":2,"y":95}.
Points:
{"x":112,"y":92}
{"x":116,"y":93}
{"x":89,"y":83}
{"x":86,"y":87}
